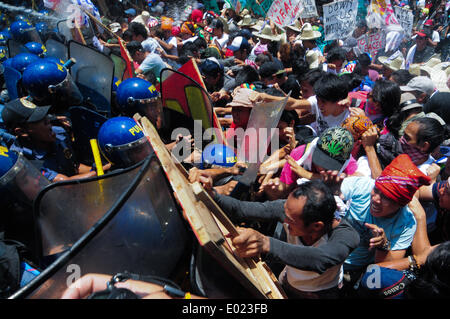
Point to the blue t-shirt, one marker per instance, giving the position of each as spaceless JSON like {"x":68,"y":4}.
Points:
{"x":153,"y":63}
{"x":399,"y":229}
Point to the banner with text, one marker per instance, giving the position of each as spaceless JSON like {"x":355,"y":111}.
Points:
{"x":283,"y":12}
{"x":406,"y":19}
{"x":309,"y":9}
{"x":381,"y":14}
{"x":372,"y":43}
{"x":339,"y":19}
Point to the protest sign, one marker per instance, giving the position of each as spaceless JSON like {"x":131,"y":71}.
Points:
{"x":380,"y":14}
{"x":372,"y":43}
{"x":283,"y":12}
{"x":406,"y":19}
{"x":339,"y":19}
{"x":309,"y":9}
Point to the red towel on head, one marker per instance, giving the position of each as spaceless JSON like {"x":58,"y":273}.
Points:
{"x":400,"y":180}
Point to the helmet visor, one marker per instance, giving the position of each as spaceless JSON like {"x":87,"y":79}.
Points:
{"x":128,"y":154}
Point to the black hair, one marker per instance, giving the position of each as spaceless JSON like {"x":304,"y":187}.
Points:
{"x":388,"y":94}
{"x":288,"y":116}
{"x":431,"y":131}
{"x":247,"y":74}
{"x":333,"y":44}
{"x":188,"y":48}
{"x":263,"y":58}
{"x":311,"y":76}
{"x":292,"y":85}
{"x":299,"y":67}
{"x":402,"y":77}
{"x":200,"y":43}
{"x":330,"y":87}
{"x":320,"y":203}
{"x":127,"y":35}
{"x":433,"y":279}
{"x":353,"y":80}
{"x":150,"y":77}
{"x":336,"y":53}
{"x":364,"y":59}
{"x":138,"y":29}
{"x":134,"y":46}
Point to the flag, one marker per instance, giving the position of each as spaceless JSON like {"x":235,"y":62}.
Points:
{"x":129,"y":70}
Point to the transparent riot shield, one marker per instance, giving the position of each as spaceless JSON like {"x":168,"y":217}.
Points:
{"x":57,"y":49}
{"x":93,"y":73}
{"x":119,"y":66}
{"x":124,"y":221}
{"x":12,"y":78}
{"x":64,"y":30}
{"x":15,"y":47}
{"x":85,"y":126}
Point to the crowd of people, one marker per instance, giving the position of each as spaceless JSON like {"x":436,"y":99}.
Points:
{"x":352,"y":204}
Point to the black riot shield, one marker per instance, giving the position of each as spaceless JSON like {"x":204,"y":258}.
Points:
{"x":124,"y":221}
{"x":93,"y":73}
{"x":57,"y":49}
{"x":85,"y":126}
{"x":119,"y":66}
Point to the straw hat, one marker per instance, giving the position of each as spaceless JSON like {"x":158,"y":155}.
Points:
{"x":244,"y":12}
{"x":247,"y":21}
{"x":393,"y":64}
{"x":307,"y":33}
{"x":266,"y":33}
{"x":258,"y":26}
{"x":296,"y":26}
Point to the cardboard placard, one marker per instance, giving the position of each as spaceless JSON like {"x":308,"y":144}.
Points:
{"x":406,"y":19}
{"x":339,"y":19}
{"x":372,"y":43}
{"x":283,"y":12}
{"x":309,"y":9}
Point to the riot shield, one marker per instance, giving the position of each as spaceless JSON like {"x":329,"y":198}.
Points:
{"x":12,"y":78}
{"x":15,"y":47}
{"x":123,"y":221}
{"x":85,"y":126}
{"x":56,"y":49}
{"x":93,"y":73}
{"x":119,"y":66}
{"x":184,"y":95}
{"x":64,"y":30}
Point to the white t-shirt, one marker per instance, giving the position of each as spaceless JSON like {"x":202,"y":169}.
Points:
{"x":310,"y":280}
{"x":324,"y":122}
{"x":173,"y":41}
{"x":222,"y":41}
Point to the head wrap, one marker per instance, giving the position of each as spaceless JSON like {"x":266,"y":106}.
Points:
{"x":400,"y":180}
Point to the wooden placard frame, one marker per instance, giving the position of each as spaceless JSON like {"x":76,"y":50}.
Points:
{"x":210,"y":224}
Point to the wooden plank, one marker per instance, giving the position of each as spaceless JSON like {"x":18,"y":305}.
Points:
{"x":203,"y":223}
{"x":269,"y":283}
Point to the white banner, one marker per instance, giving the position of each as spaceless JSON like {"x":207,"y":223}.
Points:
{"x":309,"y":9}
{"x":283,"y":12}
{"x":339,"y":19}
{"x":372,"y":43}
{"x":406,"y":19}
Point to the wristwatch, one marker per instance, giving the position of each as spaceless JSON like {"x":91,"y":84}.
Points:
{"x":386,"y":246}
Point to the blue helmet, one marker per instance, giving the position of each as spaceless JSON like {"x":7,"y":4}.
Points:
{"x":22,"y":60}
{"x":41,"y":28}
{"x":23,"y":31}
{"x":19,"y":176}
{"x":137,"y":95}
{"x":21,"y":17}
{"x":122,"y":142}
{"x":218,"y":154}
{"x":44,"y":79}
{"x":3,"y":53}
{"x":36,"y":48}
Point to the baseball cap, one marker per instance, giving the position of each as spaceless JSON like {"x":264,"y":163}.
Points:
{"x":211,"y":66}
{"x":22,"y":110}
{"x":130,"y":11}
{"x":115,"y":27}
{"x":238,"y":43}
{"x":268,"y":69}
{"x":419,"y":83}
{"x":333,"y":148}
